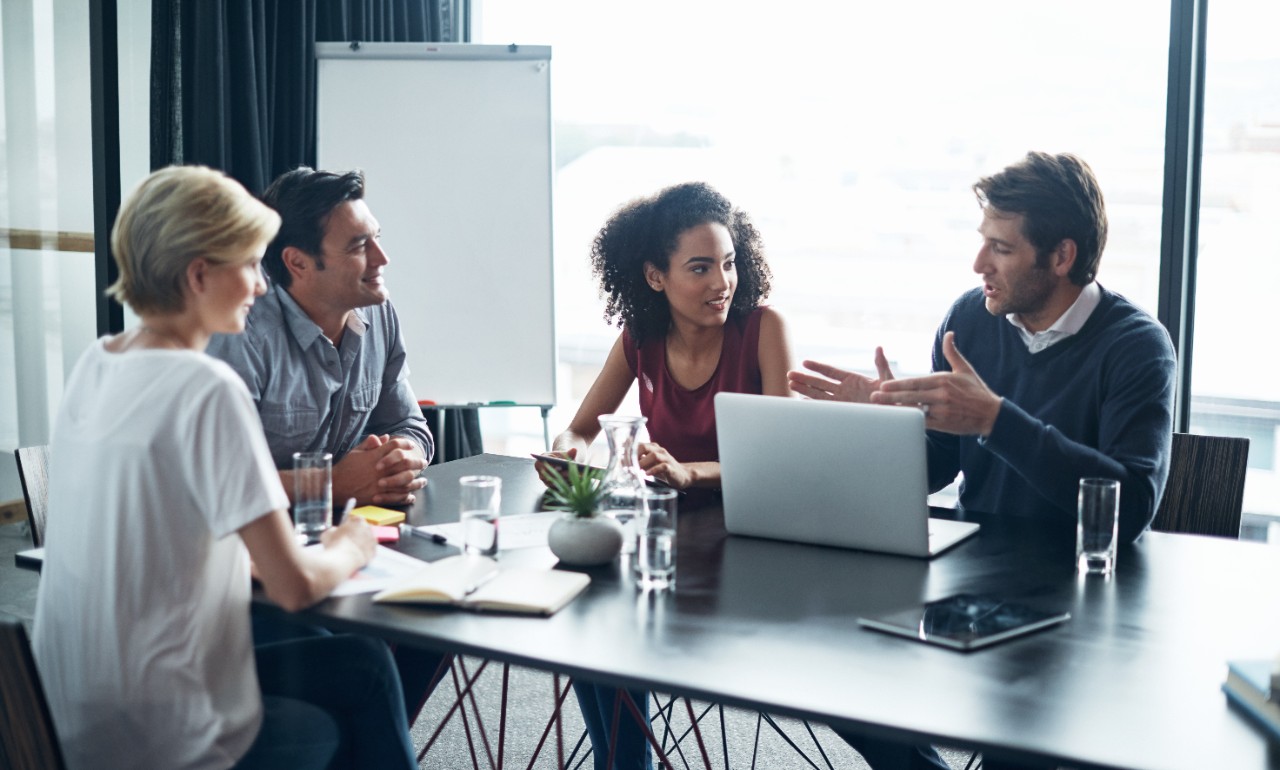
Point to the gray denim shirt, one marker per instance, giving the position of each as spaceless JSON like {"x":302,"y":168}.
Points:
{"x":313,"y":396}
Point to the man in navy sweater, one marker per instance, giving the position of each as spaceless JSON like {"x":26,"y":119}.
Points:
{"x":1041,"y":376}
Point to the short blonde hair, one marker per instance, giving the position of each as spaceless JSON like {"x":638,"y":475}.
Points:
{"x":175,"y":216}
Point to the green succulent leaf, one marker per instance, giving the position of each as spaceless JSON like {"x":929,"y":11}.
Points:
{"x":577,"y":490}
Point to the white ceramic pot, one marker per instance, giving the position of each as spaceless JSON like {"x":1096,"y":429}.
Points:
{"x":585,"y":542}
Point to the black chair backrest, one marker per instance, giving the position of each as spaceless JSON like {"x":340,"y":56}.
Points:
{"x":1205,"y":493}
{"x":33,"y":472}
{"x":28,"y":740}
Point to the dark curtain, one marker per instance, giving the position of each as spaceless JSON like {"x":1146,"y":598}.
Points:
{"x":461,"y":435}
{"x":233,"y":86}
{"x":234,"y":81}
{"x":408,"y":21}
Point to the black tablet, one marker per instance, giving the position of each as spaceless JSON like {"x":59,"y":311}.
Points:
{"x":965,"y":621}
{"x":562,"y":464}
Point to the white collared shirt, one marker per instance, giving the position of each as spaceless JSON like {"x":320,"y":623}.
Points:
{"x":1069,"y":323}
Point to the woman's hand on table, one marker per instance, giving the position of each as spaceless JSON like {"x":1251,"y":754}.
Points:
{"x":658,"y":463}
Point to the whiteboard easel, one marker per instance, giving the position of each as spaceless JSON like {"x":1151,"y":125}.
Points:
{"x":455,"y":142}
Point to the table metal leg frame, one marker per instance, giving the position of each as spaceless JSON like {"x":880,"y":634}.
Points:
{"x":464,"y":682}
{"x":623,"y":698}
{"x":559,"y":696}
{"x":778,"y":729}
{"x":664,"y":712}
{"x":475,"y":709}
{"x":459,"y":703}
{"x":573,"y":755}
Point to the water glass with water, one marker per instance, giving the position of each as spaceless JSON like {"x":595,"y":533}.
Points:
{"x":656,"y":550}
{"x":1098,"y":528}
{"x":481,"y":497}
{"x":312,"y":495}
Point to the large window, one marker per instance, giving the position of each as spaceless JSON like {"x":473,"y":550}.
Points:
{"x":851,"y":137}
{"x":1234,"y":390}
{"x":47,"y":294}
{"x":46,"y":218}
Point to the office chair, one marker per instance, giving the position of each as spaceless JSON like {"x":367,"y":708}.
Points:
{"x":28,"y":740}
{"x":1205,"y":492}
{"x":33,"y":473}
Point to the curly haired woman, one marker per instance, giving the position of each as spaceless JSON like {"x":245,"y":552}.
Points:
{"x":684,"y":272}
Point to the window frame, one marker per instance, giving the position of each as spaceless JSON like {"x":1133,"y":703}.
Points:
{"x":1183,"y":152}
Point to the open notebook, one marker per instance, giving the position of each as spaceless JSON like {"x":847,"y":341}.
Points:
{"x":477,"y":583}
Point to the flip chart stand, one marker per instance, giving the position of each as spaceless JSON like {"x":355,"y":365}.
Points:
{"x":442,"y":409}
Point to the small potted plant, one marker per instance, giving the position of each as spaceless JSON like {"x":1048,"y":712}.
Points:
{"x":581,"y":537}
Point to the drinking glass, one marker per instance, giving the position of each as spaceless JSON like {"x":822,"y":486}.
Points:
{"x":656,"y":554}
{"x":480,"y":497}
{"x":1097,"y":530}
{"x":312,"y":495}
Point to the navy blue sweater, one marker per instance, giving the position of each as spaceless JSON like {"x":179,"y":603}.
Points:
{"x":1099,"y":403}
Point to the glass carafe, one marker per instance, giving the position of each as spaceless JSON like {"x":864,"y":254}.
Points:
{"x":623,"y":478}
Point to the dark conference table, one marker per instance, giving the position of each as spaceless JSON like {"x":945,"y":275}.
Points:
{"x":1131,"y":681}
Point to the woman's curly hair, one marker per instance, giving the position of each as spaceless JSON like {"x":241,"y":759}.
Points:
{"x":647,"y":230}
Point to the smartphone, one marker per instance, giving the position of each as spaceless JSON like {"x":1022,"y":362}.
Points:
{"x":563,"y":464}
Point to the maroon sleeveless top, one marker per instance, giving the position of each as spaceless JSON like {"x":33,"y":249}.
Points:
{"x":684,"y":421}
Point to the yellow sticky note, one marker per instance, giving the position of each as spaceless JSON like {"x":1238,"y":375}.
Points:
{"x":378,"y":516}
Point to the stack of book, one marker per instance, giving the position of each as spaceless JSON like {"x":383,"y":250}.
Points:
{"x":1254,"y":686}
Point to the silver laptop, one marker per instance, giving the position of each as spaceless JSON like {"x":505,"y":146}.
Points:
{"x":829,"y":473}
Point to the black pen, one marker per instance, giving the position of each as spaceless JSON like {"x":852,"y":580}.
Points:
{"x":434,"y":537}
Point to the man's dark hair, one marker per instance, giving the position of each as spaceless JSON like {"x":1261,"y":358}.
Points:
{"x":647,"y":230}
{"x":304,"y":199}
{"x":1058,"y":198}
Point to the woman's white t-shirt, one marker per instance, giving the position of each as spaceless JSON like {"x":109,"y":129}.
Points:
{"x":142,"y":630}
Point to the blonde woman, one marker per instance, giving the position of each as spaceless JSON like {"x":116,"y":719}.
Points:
{"x":161,"y":491}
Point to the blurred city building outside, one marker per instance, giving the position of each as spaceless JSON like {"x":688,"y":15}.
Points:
{"x":855,"y":150}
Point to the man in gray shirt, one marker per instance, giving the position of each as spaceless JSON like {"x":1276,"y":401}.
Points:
{"x":324,"y":361}
{"x":322,"y":352}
